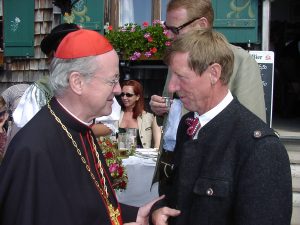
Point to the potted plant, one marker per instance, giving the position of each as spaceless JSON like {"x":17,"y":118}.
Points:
{"x":114,"y":163}
{"x":136,"y":42}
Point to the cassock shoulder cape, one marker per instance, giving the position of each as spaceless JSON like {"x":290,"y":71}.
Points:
{"x":43,"y":180}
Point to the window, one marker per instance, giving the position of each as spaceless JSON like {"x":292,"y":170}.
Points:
{"x":135,"y":11}
{"x":163,"y":9}
{"x":142,"y":11}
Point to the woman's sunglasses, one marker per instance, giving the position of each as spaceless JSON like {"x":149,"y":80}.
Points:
{"x":128,"y":95}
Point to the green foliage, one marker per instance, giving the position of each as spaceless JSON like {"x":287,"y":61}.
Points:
{"x":136,"y":42}
{"x":114,"y":163}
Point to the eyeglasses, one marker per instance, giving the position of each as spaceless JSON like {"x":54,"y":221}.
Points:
{"x":128,"y":95}
{"x":175,"y":30}
{"x":112,"y":82}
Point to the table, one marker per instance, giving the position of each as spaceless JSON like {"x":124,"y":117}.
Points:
{"x":140,"y":170}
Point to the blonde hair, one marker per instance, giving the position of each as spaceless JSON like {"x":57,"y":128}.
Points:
{"x":204,"y":47}
{"x":195,"y":9}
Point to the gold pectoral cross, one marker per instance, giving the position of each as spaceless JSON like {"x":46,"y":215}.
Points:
{"x":114,"y":214}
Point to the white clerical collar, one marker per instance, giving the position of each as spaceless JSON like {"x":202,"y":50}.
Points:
{"x":208,"y":116}
{"x":87,"y":124}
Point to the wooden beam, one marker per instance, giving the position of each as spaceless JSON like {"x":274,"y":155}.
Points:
{"x":156,"y":9}
{"x":106,"y":11}
{"x":114,"y":13}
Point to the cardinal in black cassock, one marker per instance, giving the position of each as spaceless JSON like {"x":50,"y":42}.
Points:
{"x":54,"y":172}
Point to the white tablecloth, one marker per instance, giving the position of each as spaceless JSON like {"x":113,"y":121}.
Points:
{"x":140,"y":173}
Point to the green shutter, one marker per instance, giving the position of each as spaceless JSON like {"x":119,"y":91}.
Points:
{"x":237,"y":19}
{"x":88,"y":14}
{"x":18,"y":27}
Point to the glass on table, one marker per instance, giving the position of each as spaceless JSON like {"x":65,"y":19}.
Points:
{"x":122,"y":144}
{"x":131,"y":134}
{"x":127,"y":141}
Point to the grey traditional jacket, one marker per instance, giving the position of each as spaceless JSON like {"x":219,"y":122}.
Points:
{"x":235,"y":173}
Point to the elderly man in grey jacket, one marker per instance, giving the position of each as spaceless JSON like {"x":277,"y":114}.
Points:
{"x":228,"y":167}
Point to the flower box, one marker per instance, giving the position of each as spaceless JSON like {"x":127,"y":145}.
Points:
{"x":135,"y":42}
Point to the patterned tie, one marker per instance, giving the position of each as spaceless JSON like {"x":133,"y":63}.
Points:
{"x":194,"y":125}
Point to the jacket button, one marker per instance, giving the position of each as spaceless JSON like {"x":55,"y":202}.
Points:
{"x":209,"y":191}
{"x":257,"y":133}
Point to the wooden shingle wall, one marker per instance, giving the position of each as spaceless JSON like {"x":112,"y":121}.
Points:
{"x":27,"y":70}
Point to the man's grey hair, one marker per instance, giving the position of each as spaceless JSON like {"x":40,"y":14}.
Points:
{"x":60,"y":70}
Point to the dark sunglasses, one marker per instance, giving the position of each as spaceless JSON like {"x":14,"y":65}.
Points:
{"x":128,"y":95}
{"x":175,"y":30}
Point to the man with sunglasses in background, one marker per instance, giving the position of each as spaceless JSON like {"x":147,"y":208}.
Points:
{"x":245,"y":82}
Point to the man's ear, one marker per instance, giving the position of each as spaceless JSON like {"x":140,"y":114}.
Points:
{"x":203,"y":22}
{"x":215,"y":73}
{"x":76,"y":82}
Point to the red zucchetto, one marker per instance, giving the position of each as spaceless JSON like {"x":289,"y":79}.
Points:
{"x":82,"y":43}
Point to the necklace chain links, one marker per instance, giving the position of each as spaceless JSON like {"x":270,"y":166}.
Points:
{"x":114,"y":213}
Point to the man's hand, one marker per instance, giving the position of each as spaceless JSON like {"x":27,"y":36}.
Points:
{"x":144,"y":211}
{"x":158,"y":105}
{"x":161,"y":215}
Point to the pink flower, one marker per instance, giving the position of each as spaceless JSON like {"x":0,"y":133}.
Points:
{"x":135,"y":56}
{"x":145,"y":24}
{"x":150,"y":39}
{"x":147,"y":35}
{"x":132,"y":58}
{"x":156,"y":22}
{"x":113,"y":167}
{"x":168,"y":43}
{"x":148,"y":54}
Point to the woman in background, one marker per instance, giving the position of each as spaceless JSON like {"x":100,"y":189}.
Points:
{"x":133,"y":115}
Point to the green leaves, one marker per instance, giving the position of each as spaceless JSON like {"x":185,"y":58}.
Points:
{"x":135,"y":42}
